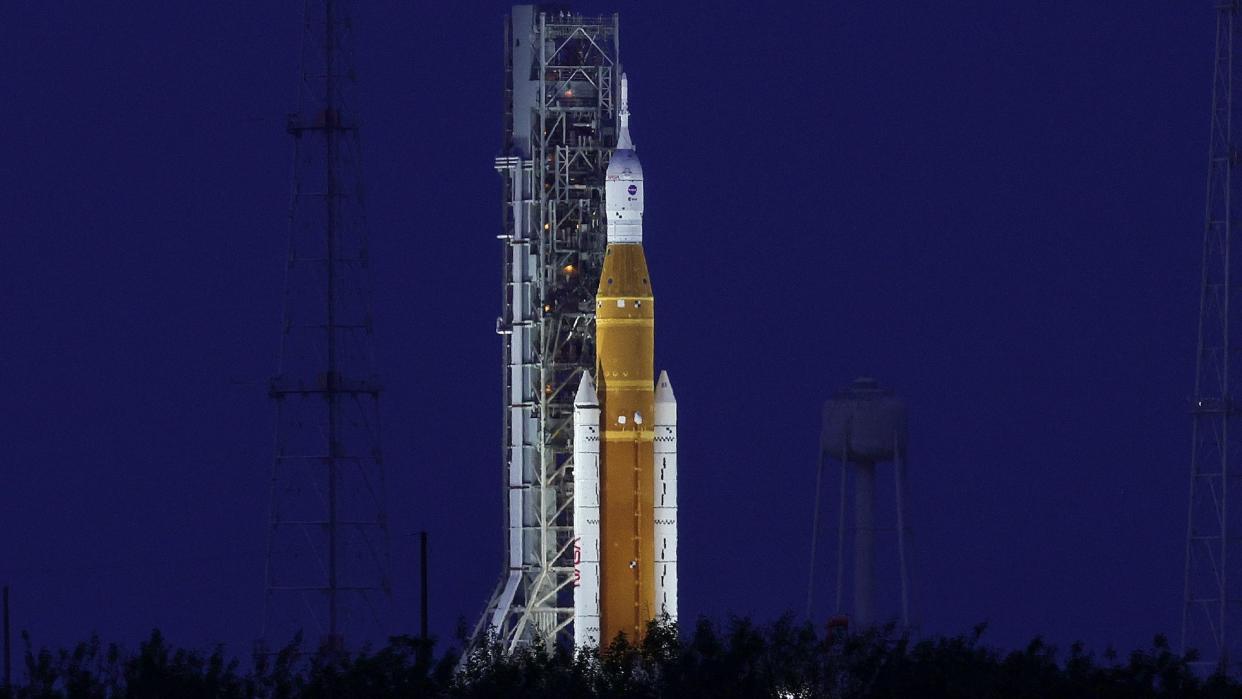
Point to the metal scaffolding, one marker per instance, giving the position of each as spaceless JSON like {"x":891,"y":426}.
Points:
{"x":559,"y":132}
{"x":327,"y":547}
{"x":1210,"y":612}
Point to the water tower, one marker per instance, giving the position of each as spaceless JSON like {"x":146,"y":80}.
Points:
{"x":864,"y":426}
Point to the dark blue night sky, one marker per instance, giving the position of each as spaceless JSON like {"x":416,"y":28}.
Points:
{"x":994,"y":208}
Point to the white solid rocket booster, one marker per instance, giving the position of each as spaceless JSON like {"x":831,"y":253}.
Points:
{"x":665,"y":498}
{"x":586,"y":513}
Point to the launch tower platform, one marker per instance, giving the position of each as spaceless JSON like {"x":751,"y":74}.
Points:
{"x":559,"y":132}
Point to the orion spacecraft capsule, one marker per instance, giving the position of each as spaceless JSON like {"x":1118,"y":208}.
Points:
{"x":625,"y":434}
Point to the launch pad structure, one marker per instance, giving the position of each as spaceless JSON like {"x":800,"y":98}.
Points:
{"x":560,"y":121}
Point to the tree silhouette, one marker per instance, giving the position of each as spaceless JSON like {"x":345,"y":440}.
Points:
{"x":736,"y":659}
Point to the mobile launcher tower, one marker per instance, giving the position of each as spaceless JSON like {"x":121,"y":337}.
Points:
{"x":590,"y":474}
{"x":562,"y":120}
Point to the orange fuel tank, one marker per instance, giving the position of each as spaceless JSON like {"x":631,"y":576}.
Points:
{"x":625,"y":371}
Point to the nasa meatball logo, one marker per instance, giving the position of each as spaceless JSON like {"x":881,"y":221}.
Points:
{"x":633,"y":190}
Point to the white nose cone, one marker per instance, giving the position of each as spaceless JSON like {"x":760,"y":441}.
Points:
{"x":586,"y":397}
{"x":623,"y":188}
{"x":664,"y":391}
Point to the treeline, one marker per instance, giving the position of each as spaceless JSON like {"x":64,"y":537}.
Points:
{"x":739,"y":659}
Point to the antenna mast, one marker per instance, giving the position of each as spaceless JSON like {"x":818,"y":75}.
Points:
{"x":1209,"y":612}
{"x":327,"y":555}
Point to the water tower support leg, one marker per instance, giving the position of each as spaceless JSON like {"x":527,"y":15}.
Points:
{"x":819,"y":487}
{"x":841,"y":538}
{"x":864,"y":541}
{"x":899,"y":478}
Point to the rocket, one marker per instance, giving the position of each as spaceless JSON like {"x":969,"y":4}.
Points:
{"x":625,"y":434}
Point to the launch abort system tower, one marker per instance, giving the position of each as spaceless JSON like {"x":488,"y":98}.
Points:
{"x":559,"y":131}
{"x":1213,"y":575}
{"x":327,"y":547}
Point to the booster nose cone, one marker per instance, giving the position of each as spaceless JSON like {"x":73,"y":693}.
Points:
{"x":587,"y":396}
{"x":623,"y":187}
{"x":664,"y":390}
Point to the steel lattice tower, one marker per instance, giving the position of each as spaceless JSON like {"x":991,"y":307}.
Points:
{"x":559,"y":133}
{"x":1213,"y":571}
{"x":327,"y":553}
